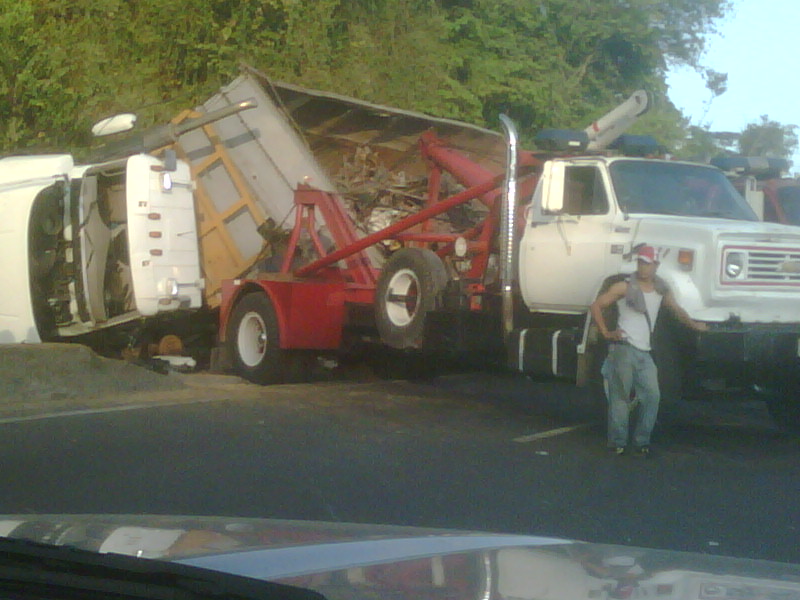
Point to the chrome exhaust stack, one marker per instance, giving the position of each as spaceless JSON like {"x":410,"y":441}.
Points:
{"x":507,"y":225}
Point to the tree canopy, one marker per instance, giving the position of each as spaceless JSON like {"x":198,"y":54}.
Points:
{"x":768,"y":138}
{"x":550,"y":63}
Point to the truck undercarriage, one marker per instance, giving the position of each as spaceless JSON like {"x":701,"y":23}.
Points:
{"x":80,"y":268}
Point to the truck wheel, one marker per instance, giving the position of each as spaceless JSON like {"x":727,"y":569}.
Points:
{"x":785,"y":413}
{"x":671,"y":376}
{"x":254,"y":339}
{"x":676,"y":379}
{"x":782,"y":403}
{"x":407,"y":290}
{"x":596,"y":381}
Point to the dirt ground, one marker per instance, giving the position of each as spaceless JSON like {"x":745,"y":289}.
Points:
{"x":61,"y":371}
{"x":39,"y":377}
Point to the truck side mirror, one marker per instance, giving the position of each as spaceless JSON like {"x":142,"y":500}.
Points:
{"x":553,"y":187}
{"x":115,"y":124}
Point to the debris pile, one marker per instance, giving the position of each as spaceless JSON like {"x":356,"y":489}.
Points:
{"x":377,"y":197}
{"x":374,"y":197}
{"x":31,"y":372}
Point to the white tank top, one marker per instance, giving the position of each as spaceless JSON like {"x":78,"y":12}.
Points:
{"x":634,"y":324}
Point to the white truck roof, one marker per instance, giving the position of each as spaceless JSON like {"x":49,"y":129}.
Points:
{"x":17,"y":323}
{"x":28,"y":169}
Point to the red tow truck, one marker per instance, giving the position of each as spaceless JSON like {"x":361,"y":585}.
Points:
{"x":311,"y":307}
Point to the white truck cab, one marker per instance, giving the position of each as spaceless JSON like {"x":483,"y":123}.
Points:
{"x":94,"y":246}
{"x":724,"y":266}
{"x":720,"y":261}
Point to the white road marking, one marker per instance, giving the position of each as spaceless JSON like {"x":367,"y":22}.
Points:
{"x":551,"y":433}
{"x":100,"y":411}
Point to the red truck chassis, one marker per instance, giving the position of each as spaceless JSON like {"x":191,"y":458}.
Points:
{"x":310,"y":302}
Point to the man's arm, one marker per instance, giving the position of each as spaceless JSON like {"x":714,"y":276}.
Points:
{"x":604,"y":300}
{"x":682,"y":315}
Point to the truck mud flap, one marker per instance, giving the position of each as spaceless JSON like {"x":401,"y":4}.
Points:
{"x":544,"y":352}
{"x":463,"y":334}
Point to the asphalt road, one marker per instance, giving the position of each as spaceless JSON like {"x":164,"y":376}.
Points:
{"x":486,"y":452}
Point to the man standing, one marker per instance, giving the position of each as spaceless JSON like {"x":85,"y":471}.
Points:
{"x":629,"y":366}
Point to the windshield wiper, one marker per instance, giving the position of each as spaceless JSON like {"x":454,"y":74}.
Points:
{"x":32,"y":570}
{"x":717,"y":213}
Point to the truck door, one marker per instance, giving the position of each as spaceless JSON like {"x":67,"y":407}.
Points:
{"x":564,"y":256}
{"x":162,"y":236}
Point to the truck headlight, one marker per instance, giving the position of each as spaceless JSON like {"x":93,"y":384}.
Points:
{"x":170,"y":288}
{"x":734,"y":264}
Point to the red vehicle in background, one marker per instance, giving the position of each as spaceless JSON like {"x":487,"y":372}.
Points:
{"x":762,"y":181}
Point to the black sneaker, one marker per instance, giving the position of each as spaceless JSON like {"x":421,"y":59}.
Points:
{"x":616,"y":450}
{"x":642,"y":452}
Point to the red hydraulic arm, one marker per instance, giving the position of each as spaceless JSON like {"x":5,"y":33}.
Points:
{"x":482,"y":184}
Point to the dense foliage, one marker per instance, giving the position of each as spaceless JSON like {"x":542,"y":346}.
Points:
{"x":64,"y":65}
{"x":768,"y":138}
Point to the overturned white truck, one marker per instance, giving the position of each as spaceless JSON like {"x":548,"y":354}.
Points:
{"x":104,"y":248}
{"x":92,"y":247}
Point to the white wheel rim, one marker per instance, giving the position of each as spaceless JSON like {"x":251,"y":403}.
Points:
{"x":251,"y":339}
{"x":402,"y":297}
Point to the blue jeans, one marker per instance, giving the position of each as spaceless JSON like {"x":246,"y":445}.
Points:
{"x":629,"y":369}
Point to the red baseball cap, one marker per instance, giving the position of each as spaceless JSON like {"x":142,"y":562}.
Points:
{"x":647,"y":254}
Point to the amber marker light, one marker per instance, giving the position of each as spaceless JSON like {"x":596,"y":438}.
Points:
{"x":686,"y":258}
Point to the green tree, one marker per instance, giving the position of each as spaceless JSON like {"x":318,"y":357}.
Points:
{"x":700,"y":145}
{"x":385,"y":52}
{"x":65,"y":65}
{"x":564,"y":62}
{"x":768,"y":138}
{"x":545,"y":62}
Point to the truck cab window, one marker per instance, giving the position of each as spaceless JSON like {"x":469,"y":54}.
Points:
{"x":682,"y":189}
{"x":584,"y":193}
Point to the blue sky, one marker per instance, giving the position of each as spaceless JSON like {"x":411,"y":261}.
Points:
{"x":758,"y":46}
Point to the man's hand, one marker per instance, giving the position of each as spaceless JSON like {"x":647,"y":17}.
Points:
{"x":682,"y":315}
{"x":614,"y":336}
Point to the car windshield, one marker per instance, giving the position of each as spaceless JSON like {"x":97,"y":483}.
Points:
{"x":677,"y":189}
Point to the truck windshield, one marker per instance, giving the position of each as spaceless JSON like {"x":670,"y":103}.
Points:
{"x":789,"y":197}
{"x":665,"y":188}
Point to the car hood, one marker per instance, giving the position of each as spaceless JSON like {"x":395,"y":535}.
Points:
{"x":359,"y":561}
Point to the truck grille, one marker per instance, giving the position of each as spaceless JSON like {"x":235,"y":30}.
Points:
{"x":773,"y":266}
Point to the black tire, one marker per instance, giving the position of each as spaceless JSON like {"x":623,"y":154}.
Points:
{"x":254,"y":340}
{"x":596,"y":382}
{"x":785,"y":413}
{"x":408,"y":288}
{"x":671,"y":374}
{"x":673,"y":353}
{"x":783,"y":404}
{"x":389,"y":363}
